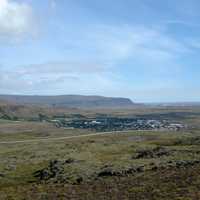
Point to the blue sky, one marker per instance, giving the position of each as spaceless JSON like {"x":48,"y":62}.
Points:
{"x":147,"y":50}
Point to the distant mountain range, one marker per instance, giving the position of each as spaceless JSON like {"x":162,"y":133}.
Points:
{"x":70,"y":101}
{"x":174,"y":104}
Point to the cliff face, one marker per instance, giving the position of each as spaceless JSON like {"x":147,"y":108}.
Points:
{"x":77,"y":101}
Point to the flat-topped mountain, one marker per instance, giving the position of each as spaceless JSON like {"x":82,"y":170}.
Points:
{"x":77,"y":101}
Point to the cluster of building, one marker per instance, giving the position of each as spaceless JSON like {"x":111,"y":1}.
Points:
{"x":119,"y":124}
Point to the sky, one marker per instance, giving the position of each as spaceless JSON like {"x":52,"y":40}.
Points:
{"x":146,"y":50}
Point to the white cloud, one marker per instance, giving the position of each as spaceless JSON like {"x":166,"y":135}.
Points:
{"x":166,"y":94}
{"x":63,"y":67}
{"x":181,"y":23}
{"x":53,"y":4}
{"x":57,"y":83}
{"x":16,"y":20}
{"x":118,"y":43}
{"x":55,"y":77}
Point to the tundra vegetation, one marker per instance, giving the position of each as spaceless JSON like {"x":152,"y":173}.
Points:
{"x":137,"y":165}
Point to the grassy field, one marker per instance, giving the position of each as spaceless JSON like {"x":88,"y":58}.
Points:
{"x":149,"y":165}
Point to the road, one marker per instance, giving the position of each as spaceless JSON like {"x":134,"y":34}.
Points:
{"x":63,"y":138}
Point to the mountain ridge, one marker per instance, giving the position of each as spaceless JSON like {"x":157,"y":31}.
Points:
{"x":77,"y":101}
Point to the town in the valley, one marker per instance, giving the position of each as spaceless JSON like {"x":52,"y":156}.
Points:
{"x":119,"y":124}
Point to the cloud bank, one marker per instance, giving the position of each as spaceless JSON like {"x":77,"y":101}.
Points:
{"x":16,"y":20}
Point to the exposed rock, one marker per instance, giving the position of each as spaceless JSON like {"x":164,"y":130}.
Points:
{"x":69,"y":161}
{"x":54,"y":169}
{"x":79,"y":180}
{"x":110,"y":172}
{"x":176,"y":164}
{"x":152,"y":153}
{"x":55,"y":172}
{"x":186,"y":163}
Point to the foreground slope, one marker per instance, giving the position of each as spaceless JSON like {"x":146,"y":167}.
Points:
{"x":138,"y":165}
